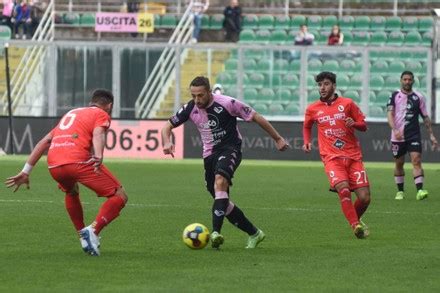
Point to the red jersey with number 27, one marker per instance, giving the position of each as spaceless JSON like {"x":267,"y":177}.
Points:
{"x":335,"y":139}
{"x":72,"y":137}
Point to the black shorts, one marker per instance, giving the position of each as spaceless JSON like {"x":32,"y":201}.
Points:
{"x":400,"y":148}
{"x":224,"y":163}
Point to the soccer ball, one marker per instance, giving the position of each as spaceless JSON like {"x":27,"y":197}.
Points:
{"x":196,"y":236}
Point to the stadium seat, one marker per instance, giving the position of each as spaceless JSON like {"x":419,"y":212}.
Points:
{"x":330,"y":65}
{"x":346,"y":22}
{"x":348,"y":37}
{"x":314,"y":22}
{"x":250,"y":21}
{"x":254,"y":53}
{"x":379,"y":67}
{"x":313,"y":95}
{"x":282,"y":22}
{"x":377,"y":23}
{"x":426,"y":24}
{"x":264,"y":65}
{"x":250,"y":95}
{"x":322,"y":38}
{"x":413,"y":38}
{"x":266,"y":22}
{"x":87,"y":19}
{"x":284,"y":95}
{"x":395,"y":38}
{"x":278,"y":37}
{"x":329,"y":21}
{"x":292,"y":108}
{"x":414,"y":66}
{"x":372,"y":96}
{"x":157,"y":21}
{"x":280,"y":65}
{"x":294,"y":66}
{"x":347,"y":66}
{"x":5,"y":33}
{"x":342,"y":81}
{"x":290,"y":80}
{"x":362,"y":23}
{"x":297,"y":20}
{"x":396,"y":66}
{"x":416,"y":82}
{"x":256,"y":80}
{"x":276,"y":108}
{"x":262,"y":36}
{"x":410,"y":23}
{"x":267,"y":94}
{"x":247,"y":36}
{"x":356,"y":81}
{"x":378,"y":38}
{"x":231,"y":64}
{"x":383,"y":96}
{"x":314,"y":66}
{"x":354,"y":95}
{"x":168,"y":21}
{"x":376,"y":111}
{"x":223,"y":78}
{"x":376,"y":82}
{"x":393,"y":23}
{"x":427,"y":39}
{"x":71,"y":18}
{"x":274,"y":80}
{"x":360,"y":38}
{"x":423,"y":81}
{"x":205,"y":21}
{"x":311,"y":83}
{"x":393,"y":82}
{"x":249,"y":64}
{"x":261,"y":108}
{"x":216,"y":21}
{"x":231,"y":91}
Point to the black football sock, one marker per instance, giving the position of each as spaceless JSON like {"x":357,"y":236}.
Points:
{"x":418,"y":180}
{"x":238,"y":219}
{"x":218,"y":213}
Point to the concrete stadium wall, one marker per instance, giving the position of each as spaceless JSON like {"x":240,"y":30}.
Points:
{"x":141,"y":139}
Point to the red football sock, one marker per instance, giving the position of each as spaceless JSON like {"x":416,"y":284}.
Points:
{"x":360,"y":207}
{"x":108,"y":212}
{"x":75,"y":211}
{"x":347,"y":207}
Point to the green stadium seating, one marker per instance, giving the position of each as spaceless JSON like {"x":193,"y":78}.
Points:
{"x":216,"y":21}
{"x":322,"y":38}
{"x":231,"y":91}
{"x":284,"y":95}
{"x":274,"y":81}
{"x":376,"y":111}
{"x":205,"y":21}
{"x":298,"y":20}
{"x":314,"y":22}
{"x":395,"y":38}
{"x":346,"y":22}
{"x":5,"y":33}
{"x":294,"y":66}
{"x":393,"y":82}
{"x":256,"y":54}
{"x":423,"y":81}
{"x":342,"y":81}
{"x":383,"y":96}
{"x":362,"y":23}
{"x":348,"y":37}
{"x":256,"y":80}
{"x":314,"y":66}
{"x":396,"y":66}
{"x":278,"y":37}
{"x":168,"y":21}
{"x":261,"y":108}
{"x":250,"y":94}
{"x":377,"y":23}
{"x":313,"y":95}
{"x":249,"y":64}
{"x":290,"y":80}
{"x":413,"y":38}
{"x":250,"y":21}
{"x":311,"y":83}
{"x":266,"y":22}
{"x":267,"y":94}
{"x":329,"y":21}
{"x":264,"y":65}
{"x":393,"y":23}
{"x":426,"y":24}
{"x":223,"y":78}
{"x":87,"y":19}
{"x":427,"y":39}
{"x":347,"y":66}
{"x":276,"y":108}
{"x":356,"y":81}
{"x":372,"y":96}
{"x":410,"y":23}
{"x":262,"y":36}
{"x":71,"y":18}
{"x":247,"y":36}
{"x":379,"y":67}
{"x":414,"y":66}
{"x":376,"y":82}
{"x":231,"y":64}
{"x":416,"y":82}
{"x":157,"y":21}
{"x":280,"y":65}
{"x":354,"y":95}
{"x":330,"y":65}
{"x":360,"y":38}
{"x":282,"y":22}
{"x":378,"y":38}
{"x":292,"y":108}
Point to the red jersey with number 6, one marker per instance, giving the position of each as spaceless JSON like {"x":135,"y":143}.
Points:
{"x":72,"y":137}
{"x":335,"y":139}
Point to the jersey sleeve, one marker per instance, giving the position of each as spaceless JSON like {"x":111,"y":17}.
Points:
{"x":391,"y":103}
{"x":102,"y":120}
{"x":242,"y":110}
{"x":356,"y":113}
{"x":422,"y":106}
{"x":307,"y":126}
{"x":182,"y":115}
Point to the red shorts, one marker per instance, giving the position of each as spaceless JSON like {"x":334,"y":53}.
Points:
{"x":103,"y":183}
{"x":344,"y":169}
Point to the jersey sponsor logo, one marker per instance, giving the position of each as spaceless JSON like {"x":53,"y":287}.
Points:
{"x":330,"y":119}
{"x":414,"y":97}
{"x":341,"y":108}
{"x":320,"y":112}
{"x":218,"y":110}
{"x":339,"y":144}
{"x":212,"y":123}
{"x":247,"y":110}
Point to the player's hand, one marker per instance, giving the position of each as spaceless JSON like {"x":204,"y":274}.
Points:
{"x":17,"y":181}
{"x":307,"y":147}
{"x":349,"y":122}
{"x":97,"y":162}
{"x":168,"y":149}
{"x":282,"y":144}
{"x":434,"y":141}
{"x":398,"y":134}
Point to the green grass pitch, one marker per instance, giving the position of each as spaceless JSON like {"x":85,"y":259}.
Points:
{"x":309,"y":245}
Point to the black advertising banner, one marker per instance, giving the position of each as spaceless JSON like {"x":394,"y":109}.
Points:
{"x":257,"y":144}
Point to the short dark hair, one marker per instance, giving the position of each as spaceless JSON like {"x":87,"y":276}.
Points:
{"x":201,"y":81}
{"x":326,"y":75}
{"x":407,"y":72}
{"x":102,"y":97}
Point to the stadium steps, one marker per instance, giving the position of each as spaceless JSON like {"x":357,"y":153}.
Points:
{"x":15,"y":55}
{"x":195,"y":64}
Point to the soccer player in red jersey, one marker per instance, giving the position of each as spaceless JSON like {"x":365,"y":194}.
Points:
{"x":76,"y":148}
{"x":337,"y":118}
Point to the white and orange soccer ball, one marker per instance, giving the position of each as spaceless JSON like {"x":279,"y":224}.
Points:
{"x":196,"y":236}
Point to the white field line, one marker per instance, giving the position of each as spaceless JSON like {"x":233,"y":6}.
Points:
{"x":287,"y":209}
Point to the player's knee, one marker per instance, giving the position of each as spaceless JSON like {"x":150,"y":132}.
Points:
{"x":122,"y":194}
{"x":221,"y":183}
{"x":417,"y":162}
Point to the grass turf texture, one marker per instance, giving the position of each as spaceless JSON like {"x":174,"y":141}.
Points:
{"x":309,"y":245}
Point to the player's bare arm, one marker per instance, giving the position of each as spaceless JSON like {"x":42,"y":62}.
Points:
{"x":428,"y":125}
{"x":390,"y":117}
{"x":282,"y":145}
{"x":23,"y":177}
{"x":307,"y":133}
{"x":98,"y":146}
{"x":167,"y":144}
